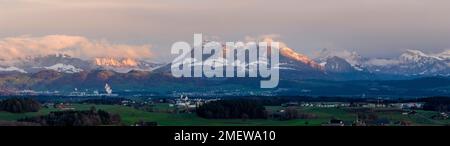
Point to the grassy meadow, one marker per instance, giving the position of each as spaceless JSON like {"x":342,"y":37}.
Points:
{"x":162,"y":115}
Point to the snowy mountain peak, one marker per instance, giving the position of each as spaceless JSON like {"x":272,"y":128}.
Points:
{"x":416,"y":56}
{"x":415,"y":52}
{"x":64,"y":68}
{"x":124,"y":65}
{"x":445,"y":55}
{"x":351,"y":57}
{"x":12,"y":69}
{"x":113,"y":62}
{"x":289,"y":53}
{"x":337,"y":64}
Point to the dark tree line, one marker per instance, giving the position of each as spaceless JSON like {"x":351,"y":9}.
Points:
{"x":107,"y":101}
{"x":278,"y":100}
{"x":19,"y":105}
{"x":15,"y":123}
{"x":232,"y":109}
{"x":441,"y":104}
{"x":291,"y":113}
{"x":76,"y":118}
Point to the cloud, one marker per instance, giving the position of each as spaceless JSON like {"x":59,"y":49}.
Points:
{"x":76,"y":46}
{"x":267,"y":38}
{"x":374,"y":28}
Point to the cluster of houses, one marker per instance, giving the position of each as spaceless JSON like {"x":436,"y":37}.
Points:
{"x":441,"y":116}
{"x":408,"y":108}
{"x":128,"y":102}
{"x":185,"y":104}
{"x":364,"y":105}
{"x":325,"y":104}
{"x":108,"y":92}
{"x":60,"y":106}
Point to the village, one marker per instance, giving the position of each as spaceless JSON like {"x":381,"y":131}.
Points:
{"x":184,"y":104}
{"x":323,"y":112}
{"x":367,"y":110}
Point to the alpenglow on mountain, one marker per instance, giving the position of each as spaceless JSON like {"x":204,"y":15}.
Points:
{"x":292,"y":64}
{"x":412,"y":73}
{"x":67,"y":64}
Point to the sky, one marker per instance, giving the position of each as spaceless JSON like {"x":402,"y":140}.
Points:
{"x":148,"y":28}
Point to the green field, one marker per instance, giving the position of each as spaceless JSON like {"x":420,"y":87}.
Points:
{"x":130,"y":115}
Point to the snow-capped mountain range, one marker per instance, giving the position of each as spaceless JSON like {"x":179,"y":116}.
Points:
{"x":409,"y":63}
{"x":124,"y":65}
{"x":67,"y":64}
{"x":12,"y":69}
{"x":64,"y":68}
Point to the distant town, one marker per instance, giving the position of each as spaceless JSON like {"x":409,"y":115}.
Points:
{"x":246,"y":110}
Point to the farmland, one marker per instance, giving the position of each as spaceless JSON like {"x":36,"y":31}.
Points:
{"x":163,"y":117}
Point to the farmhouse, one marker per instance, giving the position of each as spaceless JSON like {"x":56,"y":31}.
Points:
{"x":334,"y":122}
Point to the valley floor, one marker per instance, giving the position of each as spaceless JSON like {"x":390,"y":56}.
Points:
{"x":163,"y":117}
